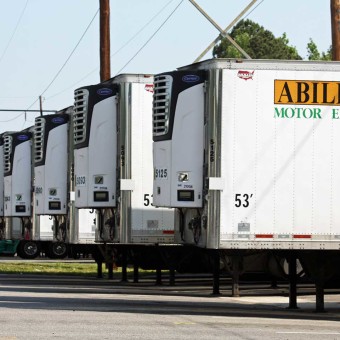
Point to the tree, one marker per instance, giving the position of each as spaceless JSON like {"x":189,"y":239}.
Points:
{"x":258,"y":42}
{"x":314,"y":54}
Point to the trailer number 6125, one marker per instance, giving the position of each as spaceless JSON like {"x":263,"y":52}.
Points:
{"x":242,"y":200}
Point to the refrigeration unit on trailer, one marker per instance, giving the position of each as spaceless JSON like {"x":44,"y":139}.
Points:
{"x":51,"y":175}
{"x":17,"y":179}
{"x":248,"y":153}
{"x":17,"y":156}
{"x":82,"y":222}
{"x":2,"y":219}
{"x":113,"y":160}
{"x":95,"y":145}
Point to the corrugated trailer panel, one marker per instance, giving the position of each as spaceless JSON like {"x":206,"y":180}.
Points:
{"x":268,"y":153}
{"x":1,"y":178}
{"x":148,"y":223}
{"x":279,"y":162}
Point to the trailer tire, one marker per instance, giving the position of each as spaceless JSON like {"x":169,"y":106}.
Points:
{"x":57,"y":250}
{"x":28,"y":249}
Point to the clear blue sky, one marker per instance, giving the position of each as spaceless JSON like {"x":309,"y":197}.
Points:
{"x":49,"y":30}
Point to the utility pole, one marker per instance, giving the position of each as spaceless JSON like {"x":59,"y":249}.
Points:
{"x":41,"y":108}
{"x":105,"y":69}
{"x":335,"y":18}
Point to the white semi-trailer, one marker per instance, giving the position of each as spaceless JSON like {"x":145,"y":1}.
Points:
{"x":51,"y":181}
{"x":113,"y":161}
{"x":2,"y":219}
{"x":95,"y":145}
{"x":113,"y":171}
{"x":17,"y":176}
{"x":246,"y":150}
{"x":70,"y":230}
{"x":140,"y":221}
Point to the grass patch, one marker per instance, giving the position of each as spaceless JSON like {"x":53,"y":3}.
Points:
{"x":61,"y":268}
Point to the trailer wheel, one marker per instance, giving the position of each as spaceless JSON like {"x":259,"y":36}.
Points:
{"x":28,"y":249}
{"x":57,"y":250}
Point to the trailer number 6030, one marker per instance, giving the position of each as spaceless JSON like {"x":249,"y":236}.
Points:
{"x":242,"y":200}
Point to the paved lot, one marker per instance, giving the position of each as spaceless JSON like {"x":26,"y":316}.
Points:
{"x":42,"y":307}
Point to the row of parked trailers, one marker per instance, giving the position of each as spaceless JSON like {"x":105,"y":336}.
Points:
{"x":233,"y":158}
{"x":83,"y":176}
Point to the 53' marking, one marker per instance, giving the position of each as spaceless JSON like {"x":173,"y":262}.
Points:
{"x":242,"y":200}
{"x":147,"y":199}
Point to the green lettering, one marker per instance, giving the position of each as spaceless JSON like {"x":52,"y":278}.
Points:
{"x":335,"y":114}
{"x":292,"y":112}
{"x":317,"y":114}
{"x":308,"y":111}
{"x":302,"y":112}
{"x":279,"y":113}
{"x":298,"y":112}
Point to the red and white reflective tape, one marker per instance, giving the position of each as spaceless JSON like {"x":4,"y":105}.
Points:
{"x":297,"y":236}
{"x":168,"y":232}
{"x":302,"y":236}
{"x":264,"y":236}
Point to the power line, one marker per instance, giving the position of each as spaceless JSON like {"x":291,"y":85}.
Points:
{"x":18,"y":110}
{"x":253,"y":9}
{"x":62,"y":67}
{"x":147,"y":24}
{"x":131,"y":39}
{"x":23,"y":113}
{"x":151,"y":37}
{"x":118,"y":50}
{"x":72,"y":86}
{"x":15,"y":29}
{"x":9,"y":120}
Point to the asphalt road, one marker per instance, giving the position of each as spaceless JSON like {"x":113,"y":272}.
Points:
{"x":44,"y":307}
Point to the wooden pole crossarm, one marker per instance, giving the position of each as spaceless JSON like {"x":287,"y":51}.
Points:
{"x":223,"y":33}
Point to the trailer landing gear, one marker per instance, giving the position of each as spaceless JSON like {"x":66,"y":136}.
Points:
{"x":292,"y":282}
{"x":216,"y":272}
{"x":124,"y":265}
{"x":172,"y":276}
{"x":99,"y":269}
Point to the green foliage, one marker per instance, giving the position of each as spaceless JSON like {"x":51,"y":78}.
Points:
{"x":314,"y":54}
{"x":258,"y":42}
